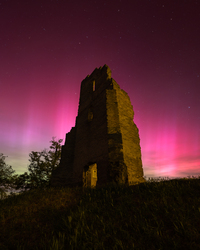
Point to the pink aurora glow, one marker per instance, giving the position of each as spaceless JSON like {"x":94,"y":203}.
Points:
{"x":152,"y":48}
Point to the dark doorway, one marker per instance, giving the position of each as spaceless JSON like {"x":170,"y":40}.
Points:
{"x":90,"y":175}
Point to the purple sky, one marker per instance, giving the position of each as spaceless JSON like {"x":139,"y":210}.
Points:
{"x":152,"y":48}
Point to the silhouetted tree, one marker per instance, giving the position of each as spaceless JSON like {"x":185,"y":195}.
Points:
{"x":6,"y":176}
{"x":41,"y":166}
{"x":22,"y":181}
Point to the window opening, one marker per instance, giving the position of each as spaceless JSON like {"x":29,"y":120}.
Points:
{"x":93,"y":85}
{"x":90,"y":116}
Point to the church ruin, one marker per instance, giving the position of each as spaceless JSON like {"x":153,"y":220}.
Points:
{"x":104,"y":145}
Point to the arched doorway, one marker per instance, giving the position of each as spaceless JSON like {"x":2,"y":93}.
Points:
{"x":90,"y":175}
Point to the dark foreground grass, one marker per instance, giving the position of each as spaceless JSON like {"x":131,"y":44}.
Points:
{"x":151,"y":215}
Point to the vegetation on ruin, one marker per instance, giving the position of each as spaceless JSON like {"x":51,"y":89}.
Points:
{"x":151,"y":215}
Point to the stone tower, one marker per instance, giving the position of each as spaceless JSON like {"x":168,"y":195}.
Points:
{"x":104,"y":145}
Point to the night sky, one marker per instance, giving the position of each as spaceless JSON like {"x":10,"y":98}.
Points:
{"x":152,"y":48}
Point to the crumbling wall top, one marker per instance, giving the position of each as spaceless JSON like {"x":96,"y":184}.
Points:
{"x":104,"y":72}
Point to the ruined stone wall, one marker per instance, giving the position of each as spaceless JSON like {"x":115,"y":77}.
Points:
{"x":116,"y":171}
{"x":105,"y":139}
{"x":130,"y":137}
{"x":63,"y":174}
{"x":91,"y":136}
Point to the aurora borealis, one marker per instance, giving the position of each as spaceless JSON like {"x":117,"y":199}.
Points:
{"x":152,"y":48}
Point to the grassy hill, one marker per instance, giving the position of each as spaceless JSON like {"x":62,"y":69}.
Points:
{"x":151,"y":215}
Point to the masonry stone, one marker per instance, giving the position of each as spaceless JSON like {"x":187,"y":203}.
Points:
{"x":104,"y":145}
